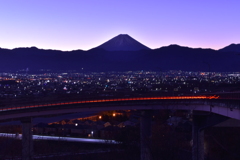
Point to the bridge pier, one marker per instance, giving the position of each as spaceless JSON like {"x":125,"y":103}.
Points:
{"x":145,"y":134}
{"x":27,"y":141}
{"x":202,"y":120}
{"x":197,"y":138}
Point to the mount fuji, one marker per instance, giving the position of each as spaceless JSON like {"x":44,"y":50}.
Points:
{"x":123,"y":42}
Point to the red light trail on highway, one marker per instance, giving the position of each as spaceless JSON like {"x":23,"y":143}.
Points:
{"x":112,"y":100}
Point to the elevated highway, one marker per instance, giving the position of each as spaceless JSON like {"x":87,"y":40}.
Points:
{"x":225,"y":105}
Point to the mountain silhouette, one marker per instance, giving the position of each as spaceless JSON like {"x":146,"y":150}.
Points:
{"x":122,"y":53}
{"x":231,"y":48}
{"x":123,"y":42}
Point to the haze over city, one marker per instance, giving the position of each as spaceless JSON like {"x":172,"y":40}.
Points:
{"x":71,"y":25}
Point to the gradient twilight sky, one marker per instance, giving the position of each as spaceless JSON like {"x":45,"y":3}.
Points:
{"x":84,"y":24}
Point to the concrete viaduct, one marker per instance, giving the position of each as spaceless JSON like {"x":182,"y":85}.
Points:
{"x":228,"y":106}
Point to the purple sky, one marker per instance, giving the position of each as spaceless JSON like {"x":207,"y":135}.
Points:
{"x":84,"y":24}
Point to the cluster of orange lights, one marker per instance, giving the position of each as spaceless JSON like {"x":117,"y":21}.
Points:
{"x":113,"y":100}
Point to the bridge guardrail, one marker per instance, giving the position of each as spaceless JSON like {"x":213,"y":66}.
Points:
{"x":33,"y":103}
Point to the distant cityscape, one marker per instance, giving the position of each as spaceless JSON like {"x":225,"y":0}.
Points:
{"x":123,"y":126}
{"x":17,"y":85}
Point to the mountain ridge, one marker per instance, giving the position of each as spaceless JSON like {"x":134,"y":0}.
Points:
{"x":164,"y":58}
{"x":172,"y":57}
{"x":231,"y":48}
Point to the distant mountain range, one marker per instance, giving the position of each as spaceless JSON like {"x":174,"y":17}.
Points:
{"x":123,"y":53}
{"x":231,"y":48}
